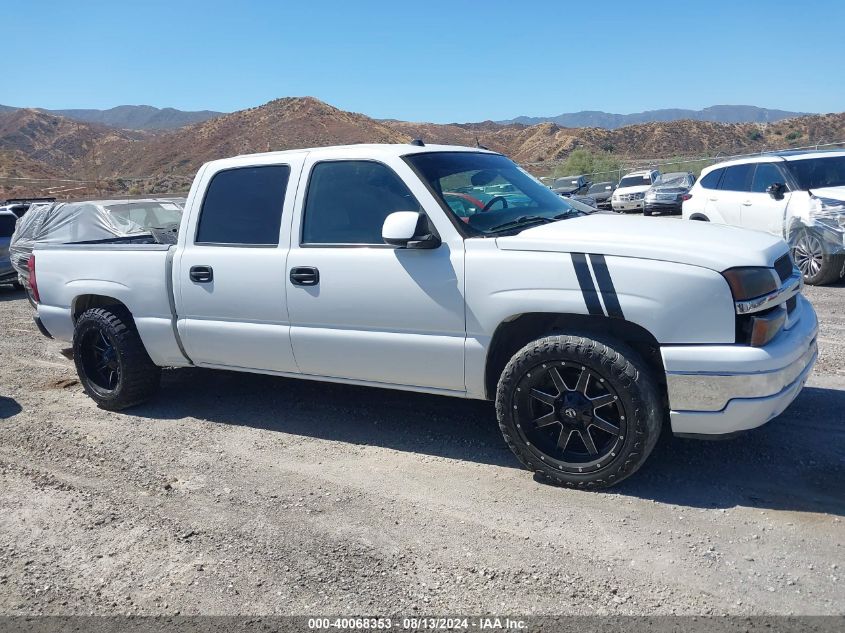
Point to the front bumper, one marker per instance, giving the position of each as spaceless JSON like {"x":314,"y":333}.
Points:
{"x":628,"y":205}
{"x":723,"y":389}
{"x":663,"y":206}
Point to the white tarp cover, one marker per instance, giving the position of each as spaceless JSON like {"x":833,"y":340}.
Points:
{"x":71,"y":222}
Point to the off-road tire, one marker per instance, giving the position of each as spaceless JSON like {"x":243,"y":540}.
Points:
{"x":646,"y":213}
{"x":831,"y":264}
{"x":138,"y":378}
{"x":623,"y":369}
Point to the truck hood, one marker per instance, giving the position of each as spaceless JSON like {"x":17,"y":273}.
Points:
{"x":714,"y":246}
{"x":635,"y":189}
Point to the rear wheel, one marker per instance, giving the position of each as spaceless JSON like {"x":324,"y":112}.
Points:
{"x":111,"y":360}
{"x":646,"y":212}
{"x":814,"y":259}
{"x":579,"y":412}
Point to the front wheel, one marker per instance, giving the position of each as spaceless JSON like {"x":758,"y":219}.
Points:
{"x":579,"y":412}
{"x":814,"y":259}
{"x":113,"y":365}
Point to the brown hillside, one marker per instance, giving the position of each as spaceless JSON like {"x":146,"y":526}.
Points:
{"x":37,"y":144}
{"x":59,"y":143}
{"x":281,"y":124}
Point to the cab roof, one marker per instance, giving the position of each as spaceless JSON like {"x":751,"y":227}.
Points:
{"x":373,"y":150}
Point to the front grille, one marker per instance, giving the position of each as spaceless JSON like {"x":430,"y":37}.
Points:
{"x":783,"y":267}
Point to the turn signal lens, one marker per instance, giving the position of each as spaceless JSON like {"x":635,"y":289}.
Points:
{"x":686,"y":196}
{"x":749,"y":283}
{"x":765,"y":328}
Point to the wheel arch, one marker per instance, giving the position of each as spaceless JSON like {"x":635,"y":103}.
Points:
{"x":85,"y":302}
{"x":513,"y":333}
{"x":700,"y":217}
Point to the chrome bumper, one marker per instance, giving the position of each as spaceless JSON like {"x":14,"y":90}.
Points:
{"x":722,"y":389}
{"x":712,"y":392}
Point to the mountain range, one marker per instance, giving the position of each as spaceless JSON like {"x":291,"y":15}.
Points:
{"x":133,"y":117}
{"x":716,"y":114}
{"x":35,"y":144}
{"x":144,"y":117}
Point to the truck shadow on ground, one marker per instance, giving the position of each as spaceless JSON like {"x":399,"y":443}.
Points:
{"x":795,"y":463}
{"x":9,"y":407}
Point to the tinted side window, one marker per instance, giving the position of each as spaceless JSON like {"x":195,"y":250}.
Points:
{"x":7,"y":224}
{"x":244,"y":206}
{"x":348,"y":200}
{"x":711,"y":180}
{"x":737,"y":177}
{"x":765,"y":175}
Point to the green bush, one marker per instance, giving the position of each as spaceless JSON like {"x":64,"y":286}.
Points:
{"x":583,"y":161}
{"x":755,"y":135}
{"x":793,"y":136}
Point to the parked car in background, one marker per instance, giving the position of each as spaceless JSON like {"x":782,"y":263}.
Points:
{"x":630,"y":194}
{"x":8,"y":275}
{"x":19,"y":206}
{"x":585,"y":200}
{"x":571,"y":186}
{"x":668,"y":193}
{"x":601,"y":192}
{"x":797,"y":195}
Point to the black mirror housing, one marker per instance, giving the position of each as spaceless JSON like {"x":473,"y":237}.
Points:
{"x":776,"y":190}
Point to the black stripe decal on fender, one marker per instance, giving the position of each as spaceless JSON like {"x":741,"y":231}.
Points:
{"x":585,"y":280}
{"x":608,"y":292}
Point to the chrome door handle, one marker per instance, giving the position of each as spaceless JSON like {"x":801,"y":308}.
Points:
{"x":747,"y":203}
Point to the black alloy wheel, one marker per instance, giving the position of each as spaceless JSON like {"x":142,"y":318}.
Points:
{"x":111,"y":361}
{"x":99,"y":360}
{"x":579,"y":411}
{"x":572,"y":418}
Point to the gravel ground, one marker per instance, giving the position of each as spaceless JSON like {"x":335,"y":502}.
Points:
{"x":235,"y":493}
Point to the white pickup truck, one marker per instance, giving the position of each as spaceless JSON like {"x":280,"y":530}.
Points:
{"x":451,"y":271}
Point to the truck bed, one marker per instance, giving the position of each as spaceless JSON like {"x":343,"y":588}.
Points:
{"x":139,"y":275}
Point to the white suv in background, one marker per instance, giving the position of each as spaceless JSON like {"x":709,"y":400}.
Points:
{"x":631,"y":191}
{"x":797,"y":195}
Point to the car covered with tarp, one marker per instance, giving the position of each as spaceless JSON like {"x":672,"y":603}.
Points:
{"x":99,"y":221}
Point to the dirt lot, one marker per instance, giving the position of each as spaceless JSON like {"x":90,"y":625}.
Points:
{"x":235,"y":493}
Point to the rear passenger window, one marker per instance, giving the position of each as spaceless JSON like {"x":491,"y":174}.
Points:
{"x":243,"y":206}
{"x":737,"y":177}
{"x":348,"y":200}
{"x":711,"y":180}
{"x":7,"y":224}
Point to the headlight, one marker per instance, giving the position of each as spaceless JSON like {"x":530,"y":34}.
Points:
{"x":639,"y":196}
{"x":749,"y":283}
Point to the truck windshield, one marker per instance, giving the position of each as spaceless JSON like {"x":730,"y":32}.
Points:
{"x":817,"y":173}
{"x":489,"y":193}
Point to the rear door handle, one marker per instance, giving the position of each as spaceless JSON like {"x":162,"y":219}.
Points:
{"x":747,"y":203}
{"x":201,"y":274}
{"x":304,"y":276}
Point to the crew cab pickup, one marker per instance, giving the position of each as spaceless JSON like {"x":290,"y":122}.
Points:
{"x":592,"y":332}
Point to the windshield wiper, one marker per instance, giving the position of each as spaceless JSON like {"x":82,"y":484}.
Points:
{"x":522,"y":220}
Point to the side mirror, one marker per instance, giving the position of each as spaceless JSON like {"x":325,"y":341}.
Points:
{"x":776,"y":190}
{"x":408,"y":229}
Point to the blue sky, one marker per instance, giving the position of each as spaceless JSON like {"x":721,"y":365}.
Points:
{"x":425,"y":60}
